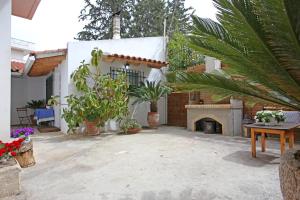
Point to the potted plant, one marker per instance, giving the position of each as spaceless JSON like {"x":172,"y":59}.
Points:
{"x":24,"y":155}
{"x":150,"y":91}
{"x":130,"y":126}
{"x":9,"y":170}
{"x":97,"y":98}
{"x":35,"y":104}
{"x":267,"y":117}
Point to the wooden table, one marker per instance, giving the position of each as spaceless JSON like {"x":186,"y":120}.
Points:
{"x":284,"y":130}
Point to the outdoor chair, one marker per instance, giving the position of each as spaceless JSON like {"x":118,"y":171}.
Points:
{"x":23,"y":116}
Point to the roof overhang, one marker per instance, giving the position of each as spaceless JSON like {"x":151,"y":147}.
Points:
{"x":45,"y":62}
{"x":25,"y":8}
{"x":134,"y":60}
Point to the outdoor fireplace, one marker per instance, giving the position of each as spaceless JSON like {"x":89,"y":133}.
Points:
{"x":216,"y":118}
{"x":209,"y":126}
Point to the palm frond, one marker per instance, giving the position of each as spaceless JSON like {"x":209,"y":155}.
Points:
{"x":281,"y":22}
{"x":210,"y":38}
{"x":224,"y":87}
{"x":259,"y":41}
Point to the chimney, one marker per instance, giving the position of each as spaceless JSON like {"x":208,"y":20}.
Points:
{"x":116,"y":25}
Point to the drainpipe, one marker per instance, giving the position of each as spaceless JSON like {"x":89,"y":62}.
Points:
{"x":29,"y":64}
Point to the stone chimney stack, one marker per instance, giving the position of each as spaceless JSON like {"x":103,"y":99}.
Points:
{"x":116,"y":25}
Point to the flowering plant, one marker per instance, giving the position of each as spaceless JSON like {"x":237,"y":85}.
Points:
{"x":8,"y":150}
{"x":267,"y":116}
{"x":22,"y":133}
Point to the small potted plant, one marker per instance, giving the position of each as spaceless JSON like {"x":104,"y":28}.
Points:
{"x":279,"y":117}
{"x":24,"y":155}
{"x":269,"y":118}
{"x":130,"y":126}
{"x":9,"y":170}
{"x":150,"y":91}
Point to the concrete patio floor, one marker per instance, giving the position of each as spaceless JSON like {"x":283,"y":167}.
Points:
{"x":164,"y":164}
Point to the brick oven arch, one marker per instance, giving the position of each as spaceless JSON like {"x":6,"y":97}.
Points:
{"x":211,"y":116}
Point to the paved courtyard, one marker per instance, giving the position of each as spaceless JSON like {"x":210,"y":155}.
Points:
{"x":164,"y":164}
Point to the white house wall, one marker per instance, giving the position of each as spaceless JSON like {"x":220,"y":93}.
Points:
{"x":18,"y":54}
{"x":150,"y":47}
{"x":64,"y":91}
{"x":5,"y":53}
{"x":23,"y":90}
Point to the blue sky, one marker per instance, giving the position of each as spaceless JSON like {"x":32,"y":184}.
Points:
{"x":56,"y":22}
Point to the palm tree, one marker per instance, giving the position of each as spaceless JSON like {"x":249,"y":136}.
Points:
{"x":150,"y":91}
{"x":259,"y":42}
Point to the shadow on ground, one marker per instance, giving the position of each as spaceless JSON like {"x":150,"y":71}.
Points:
{"x":244,"y":158}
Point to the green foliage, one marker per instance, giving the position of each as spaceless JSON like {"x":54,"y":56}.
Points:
{"x":259,"y":41}
{"x":180,"y":55}
{"x":150,"y":91}
{"x":267,"y":116}
{"x":53,"y":101}
{"x":34,"y":104}
{"x":98,"y":98}
{"x":128,"y":123}
{"x":139,"y":18}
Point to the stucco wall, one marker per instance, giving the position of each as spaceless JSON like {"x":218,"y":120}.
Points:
{"x":5,"y":53}
{"x":18,"y":54}
{"x":151,"y":48}
{"x":25,"y":89}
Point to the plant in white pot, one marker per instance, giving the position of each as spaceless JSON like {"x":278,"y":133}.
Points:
{"x":150,"y":91}
{"x":267,"y":117}
{"x":98,"y":97}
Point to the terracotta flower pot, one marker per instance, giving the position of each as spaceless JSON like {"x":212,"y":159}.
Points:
{"x":10,"y":178}
{"x":153,"y":119}
{"x":25,"y":156}
{"x":91,"y":128}
{"x":289,"y":174}
{"x":133,"y":130}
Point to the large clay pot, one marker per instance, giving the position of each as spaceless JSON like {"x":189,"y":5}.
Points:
{"x":25,"y":156}
{"x":91,"y":128}
{"x":289,"y":174}
{"x":153,"y":119}
{"x":9,"y":178}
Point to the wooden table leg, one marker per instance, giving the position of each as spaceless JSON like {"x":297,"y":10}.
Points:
{"x":263,"y":142}
{"x":291,"y":138}
{"x":282,"y":142}
{"x":253,"y":143}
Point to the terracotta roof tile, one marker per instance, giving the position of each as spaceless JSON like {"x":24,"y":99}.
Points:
{"x":48,"y":51}
{"x":146,"y":61}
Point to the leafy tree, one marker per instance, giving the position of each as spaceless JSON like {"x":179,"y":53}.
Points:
{"x":139,"y":18}
{"x":180,"y":55}
{"x":98,"y":14}
{"x":260,"y":42}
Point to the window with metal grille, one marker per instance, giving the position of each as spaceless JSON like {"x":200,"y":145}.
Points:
{"x":134,"y":77}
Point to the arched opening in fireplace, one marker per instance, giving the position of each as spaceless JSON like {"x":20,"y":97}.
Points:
{"x":208,"y":125}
